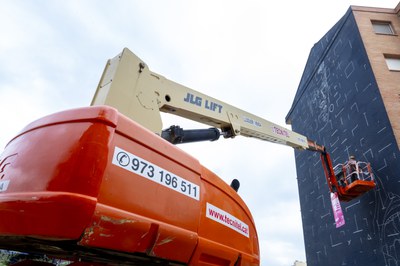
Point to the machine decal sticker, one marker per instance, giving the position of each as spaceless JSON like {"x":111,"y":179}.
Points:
{"x":208,"y":103}
{"x":224,"y":218}
{"x":155,"y":173}
{"x":4,"y":185}
{"x":251,"y":121}
{"x":282,"y":132}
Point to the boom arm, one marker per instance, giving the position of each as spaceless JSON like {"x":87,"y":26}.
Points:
{"x":128,"y":85}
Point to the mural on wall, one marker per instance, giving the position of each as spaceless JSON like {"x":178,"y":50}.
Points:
{"x":339,"y":105}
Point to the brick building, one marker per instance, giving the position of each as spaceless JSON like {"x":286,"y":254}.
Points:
{"x":348,"y":99}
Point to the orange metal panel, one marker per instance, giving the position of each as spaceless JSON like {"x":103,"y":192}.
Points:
{"x":359,"y":187}
{"x":53,"y":171}
{"x":227,"y":228}
{"x":93,"y":176}
{"x":141,"y":211}
{"x":45,"y":215}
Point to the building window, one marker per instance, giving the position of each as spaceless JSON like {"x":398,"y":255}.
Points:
{"x":393,"y":62}
{"x":383,"y":27}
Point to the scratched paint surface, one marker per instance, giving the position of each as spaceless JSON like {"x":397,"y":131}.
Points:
{"x":339,"y":105}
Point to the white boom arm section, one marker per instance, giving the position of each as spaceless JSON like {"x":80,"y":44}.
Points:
{"x":128,"y":85}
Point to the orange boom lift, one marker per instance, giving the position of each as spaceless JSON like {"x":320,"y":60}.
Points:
{"x":105,"y":184}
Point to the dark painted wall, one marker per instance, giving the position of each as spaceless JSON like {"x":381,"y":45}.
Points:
{"x":339,"y":105}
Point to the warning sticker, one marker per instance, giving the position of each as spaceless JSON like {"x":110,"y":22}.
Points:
{"x":155,"y":173}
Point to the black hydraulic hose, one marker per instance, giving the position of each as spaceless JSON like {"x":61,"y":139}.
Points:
{"x":177,"y":135}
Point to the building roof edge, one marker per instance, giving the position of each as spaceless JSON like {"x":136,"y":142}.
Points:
{"x":375,"y":9}
{"x":305,"y":80}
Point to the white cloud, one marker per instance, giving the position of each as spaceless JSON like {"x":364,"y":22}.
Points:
{"x":279,"y":252}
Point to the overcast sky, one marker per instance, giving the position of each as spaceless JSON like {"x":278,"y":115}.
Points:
{"x":250,"y":54}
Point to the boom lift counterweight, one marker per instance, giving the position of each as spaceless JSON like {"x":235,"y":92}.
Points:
{"x":101,"y":185}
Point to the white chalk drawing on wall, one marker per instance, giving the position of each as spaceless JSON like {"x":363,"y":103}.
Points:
{"x":320,"y":101}
{"x":385,"y":214}
{"x":387,"y":223}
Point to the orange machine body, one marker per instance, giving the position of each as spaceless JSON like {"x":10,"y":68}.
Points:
{"x":91,"y":184}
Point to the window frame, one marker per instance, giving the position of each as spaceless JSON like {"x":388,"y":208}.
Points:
{"x":383,"y":23}
{"x":396,"y":65}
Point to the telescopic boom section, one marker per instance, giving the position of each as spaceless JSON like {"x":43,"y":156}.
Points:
{"x":128,"y":85}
